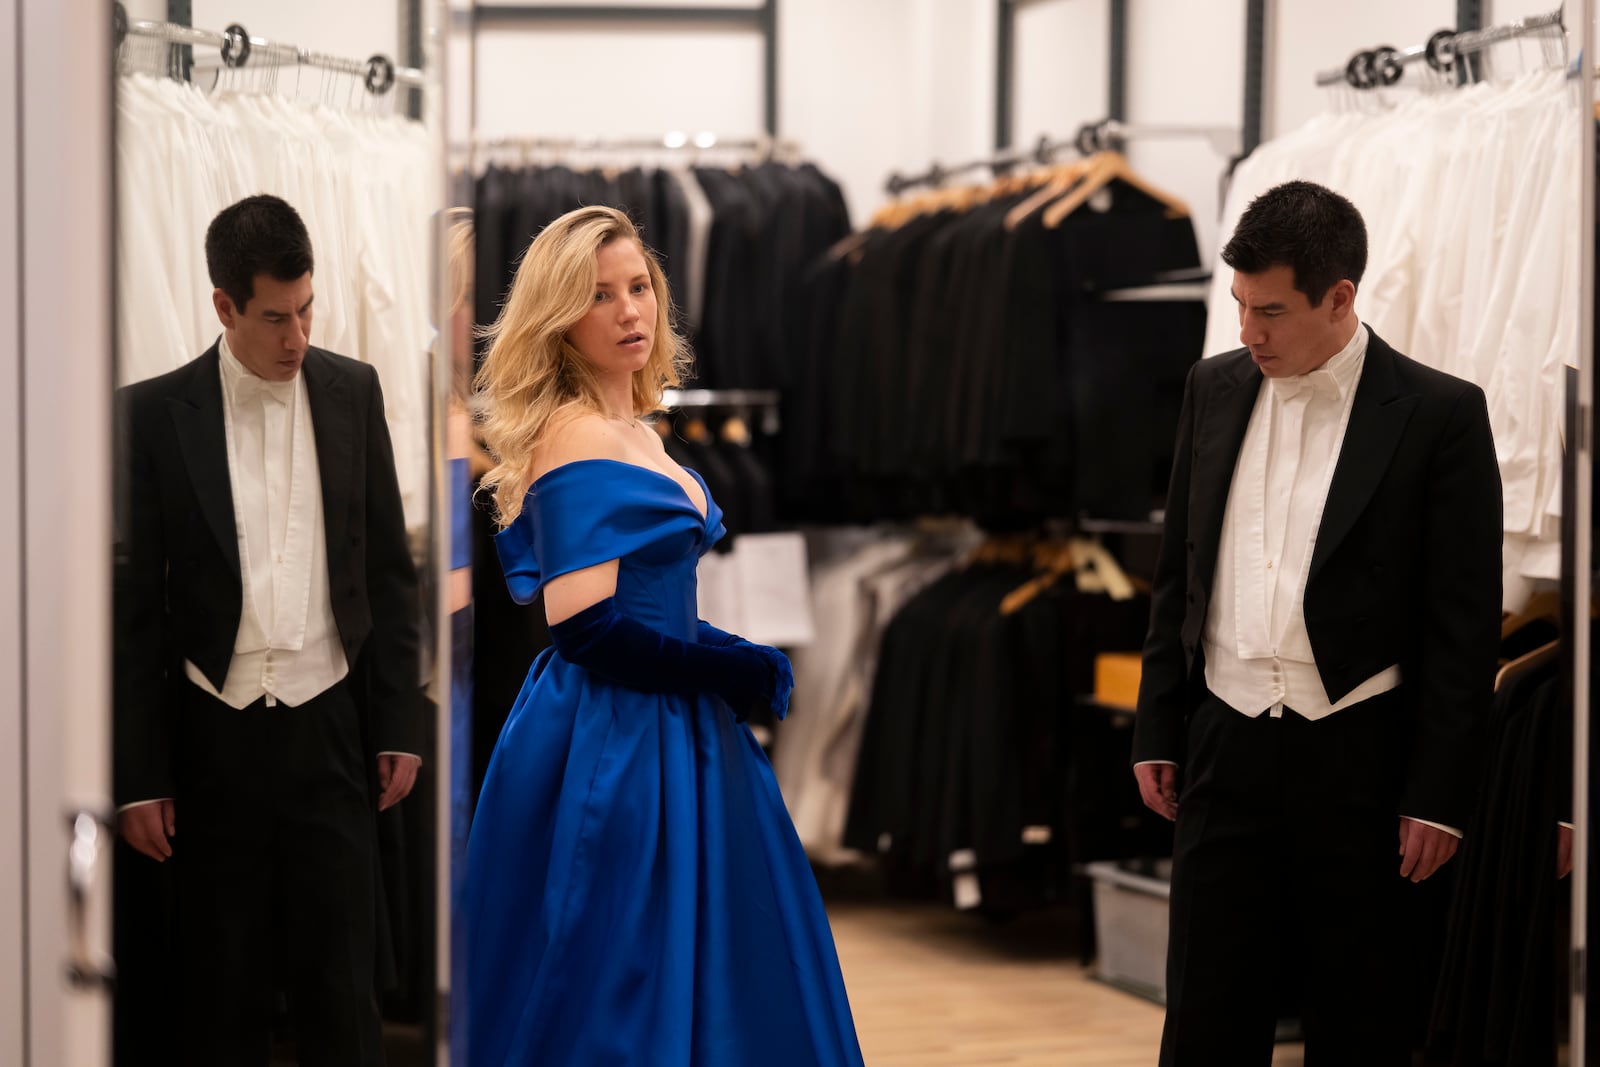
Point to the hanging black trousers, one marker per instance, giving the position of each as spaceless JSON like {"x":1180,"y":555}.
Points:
{"x":274,"y":863}
{"x":1286,"y":888}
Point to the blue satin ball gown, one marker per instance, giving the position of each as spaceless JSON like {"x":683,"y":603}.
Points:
{"x":635,"y":892}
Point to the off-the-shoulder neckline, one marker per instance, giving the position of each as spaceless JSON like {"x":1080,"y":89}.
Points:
{"x":705,"y":516}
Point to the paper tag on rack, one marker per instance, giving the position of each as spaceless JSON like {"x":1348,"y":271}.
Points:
{"x":717,"y":582}
{"x":966,"y":891}
{"x":1036,"y":835}
{"x":774,"y":589}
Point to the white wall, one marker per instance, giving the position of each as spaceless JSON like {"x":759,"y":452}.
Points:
{"x":873,"y":86}
{"x":1061,"y":69}
{"x":628,"y":79}
{"x":1305,"y":38}
{"x":354,"y":29}
{"x":864,"y":87}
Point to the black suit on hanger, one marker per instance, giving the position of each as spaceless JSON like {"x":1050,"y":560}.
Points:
{"x":275,"y":806}
{"x":1290,"y":827}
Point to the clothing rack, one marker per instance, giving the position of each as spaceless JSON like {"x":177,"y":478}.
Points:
{"x":1109,"y":133}
{"x":741,"y":401}
{"x":1383,"y":66}
{"x":238,"y":48}
{"x":1092,"y":137}
{"x":675,"y":140}
{"x":937,"y":174}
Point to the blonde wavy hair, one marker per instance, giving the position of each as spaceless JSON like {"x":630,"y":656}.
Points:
{"x":532,"y":372}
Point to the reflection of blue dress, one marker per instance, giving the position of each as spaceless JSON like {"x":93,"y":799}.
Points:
{"x":635,"y":893}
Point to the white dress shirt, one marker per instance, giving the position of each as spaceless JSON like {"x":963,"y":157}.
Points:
{"x":1258,"y":653}
{"x":288,"y":645}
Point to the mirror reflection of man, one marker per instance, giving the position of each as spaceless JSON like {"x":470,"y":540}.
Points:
{"x":267,"y":698}
{"x":1321,"y":655}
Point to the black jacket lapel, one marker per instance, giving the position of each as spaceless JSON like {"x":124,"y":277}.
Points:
{"x":1219,"y":434}
{"x":331,"y":419}
{"x":1378,"y":418}
{"x":197,"y":420}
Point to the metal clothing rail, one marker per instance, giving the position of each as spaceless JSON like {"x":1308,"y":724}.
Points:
{"x":721,"y":398}
{"x":674,"y":140}
{"x":1109,"y":133}
{"x":1091,"y":138}
{"x":937,"y":174}
{"x":1385,"y":65}
{"x":239,"y":48}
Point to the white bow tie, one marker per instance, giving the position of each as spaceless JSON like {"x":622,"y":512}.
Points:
{"x":1320,"y":382}
{"x":249,"y":388}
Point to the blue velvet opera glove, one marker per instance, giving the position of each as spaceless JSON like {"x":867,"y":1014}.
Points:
{"x":602,"y":639}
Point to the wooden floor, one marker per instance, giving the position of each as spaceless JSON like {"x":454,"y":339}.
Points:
{"x":934,"y":988}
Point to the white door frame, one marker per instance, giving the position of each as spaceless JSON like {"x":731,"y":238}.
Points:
{"x":56,"y":301}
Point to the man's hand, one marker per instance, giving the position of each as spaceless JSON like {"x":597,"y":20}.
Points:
{"x":396,"y":775}
{"x":1424,"y":849}
{"x":1158,"y":785}
{"x":148,"y":826}
{"x":1563,"y":851}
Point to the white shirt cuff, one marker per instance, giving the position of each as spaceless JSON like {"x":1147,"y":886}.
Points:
{"x":1156,"y":763}
{"x":1451,"y":830}
{"x":408,"y":755}
{"x":1568,"y":825}
{"x":140,"y":804}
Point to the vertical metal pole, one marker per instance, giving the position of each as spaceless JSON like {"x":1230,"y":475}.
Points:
{"x":1117,"y":91}
{"x":770,"y":20}
{"x":181,"y":58}
{"x":1005,"y":62}
{"x":411,"y":52}
{"x":1469,"y":16}
{"x":1255,"y":48}
{"x":1581,"y":576}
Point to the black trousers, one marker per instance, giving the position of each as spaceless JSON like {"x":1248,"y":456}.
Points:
{"x":275,"y":871}
{"x":1286,"y":878}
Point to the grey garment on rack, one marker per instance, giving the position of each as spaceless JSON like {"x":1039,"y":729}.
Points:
{"x":693,"y":301}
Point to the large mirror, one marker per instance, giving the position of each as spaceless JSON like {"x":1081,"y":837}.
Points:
{"x":941,"y":353}
{"x":394,"y":785}
{"x":280,"y":653}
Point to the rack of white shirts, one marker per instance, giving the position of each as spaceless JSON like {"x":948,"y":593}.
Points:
{"x":360,"y":180}
{"x":1469,"y":199}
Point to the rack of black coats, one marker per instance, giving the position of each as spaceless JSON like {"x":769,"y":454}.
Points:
{"x":1498,"y":996}
{"x":981,"y":780}
{"x":735,"y":243}
{"x":953,"y":365}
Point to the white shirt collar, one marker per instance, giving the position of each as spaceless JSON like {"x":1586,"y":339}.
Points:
{"x":242,"y":383}
{"x":1337,"y":376}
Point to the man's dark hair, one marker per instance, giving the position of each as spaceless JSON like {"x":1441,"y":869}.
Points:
{"x":1306,"y":227}
{"x":258,"y":235}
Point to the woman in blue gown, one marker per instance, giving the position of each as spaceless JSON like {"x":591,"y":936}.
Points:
{"x":635,"y":893}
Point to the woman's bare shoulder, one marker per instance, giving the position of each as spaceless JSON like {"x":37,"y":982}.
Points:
{"x":577,"y":434}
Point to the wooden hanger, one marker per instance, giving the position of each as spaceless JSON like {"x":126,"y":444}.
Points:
{"x":736,"y":431}
{"x":1104,"y":168}
{"x":696,"y":431}
{"x":1522,"y":664}
{"x":1057,"y":180}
